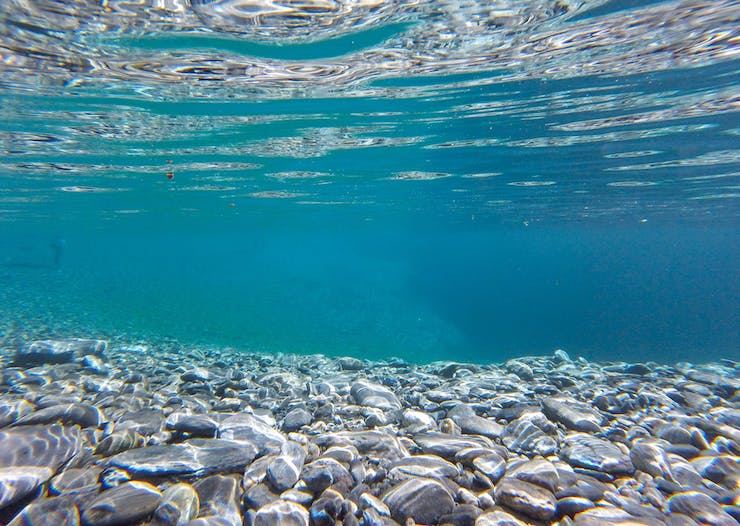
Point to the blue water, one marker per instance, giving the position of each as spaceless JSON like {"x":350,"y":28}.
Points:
{"x":375,"y":188}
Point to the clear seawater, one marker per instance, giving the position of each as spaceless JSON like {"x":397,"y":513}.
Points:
{"x":431,"y":180}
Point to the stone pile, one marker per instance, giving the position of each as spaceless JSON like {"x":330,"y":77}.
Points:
{"x":103,"y":435}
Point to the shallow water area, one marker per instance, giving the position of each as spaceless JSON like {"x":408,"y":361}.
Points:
{"x":369,"y":262}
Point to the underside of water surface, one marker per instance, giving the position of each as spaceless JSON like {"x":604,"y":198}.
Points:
{"x":431,"y":180}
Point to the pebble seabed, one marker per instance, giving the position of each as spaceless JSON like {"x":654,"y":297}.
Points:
{"x":100,"y":435}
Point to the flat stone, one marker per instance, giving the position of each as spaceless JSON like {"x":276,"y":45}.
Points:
{"x":523,"y":436}
{"x":429,"y":466}
{"x":281,"y":513}
{"x":537,"y":471}
{"x":423,"y":500}
{"x":374,"y":395}
{"x":193,"y":457}
{"x":117,"y":442}
{"x":60,"y":511}
{"x":498,"y":518}
{"x":39,"y":446}
{"x":58,"y":351}
{"x":75,"y":479}
{"x":570,"y":506}
{"x":12,"y":410}
{"x":586,"y":451}
{"x":373,"y":443}
{"x":572,"y":414}
{"x":84,"y":415}
{"x":612,"y":517}
{"x":700,"y":507}
{"x":470,"y":423}
{"x":246,"y":427}
{"x":19,"y":482}
{"x":219,"y":497}
{"x":446,"y":446}
{"x":524,"y":497}
{"x":145,"y":422}
{"x":180,"y":504}
{"x":125,"y":504}
{"x":195,"y":426}
{"x":348,"y":363}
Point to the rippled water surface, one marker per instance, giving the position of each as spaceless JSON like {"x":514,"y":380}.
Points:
{"x":431,"y":179}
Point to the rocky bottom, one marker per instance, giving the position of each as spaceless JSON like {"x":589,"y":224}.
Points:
{"x":106,"y":435}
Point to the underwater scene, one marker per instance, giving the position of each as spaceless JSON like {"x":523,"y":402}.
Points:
{"x":369,"y":262}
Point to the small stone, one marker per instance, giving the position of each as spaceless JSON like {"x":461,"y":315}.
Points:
{"x":117,"y":442}
{"x":491,"y":465}
{"x":219,"y":497}
{"x":446,"y":446}
{"x":125,"y":504}
{"x":572,"y":414}
{"x":700,"y":507}
{"x":296,"y":419}
{"x":180,"y":504}
{"x":245,"y":427}
{"x":649,"y":458}
{"x":524,"y":497}
{"x":417,"y":421}
{"x":570,"y":506}
{"x":537,"y":471}
{"x":195,"y":426}
{"x":19,"y":482}
{"x":470,"y":423}
{"x":586,"y":451}
{"x":423,"y":500}
{"x":429,"y":466}
{"x":325,"y":472}
{"x":13,"y":410}
{"x":60,"y":511}
{"x":285,"y":470}
{"x":498,"y":518}
{"x":74,"y":480}
{"x":374,"y":395}
{"x":281,"y":513}
{"x":83,"y":415}
{"x":350,"y":364}
{"x":95,"y":364}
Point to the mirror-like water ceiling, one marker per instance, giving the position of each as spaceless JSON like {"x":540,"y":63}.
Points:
{"x":373,"y":178}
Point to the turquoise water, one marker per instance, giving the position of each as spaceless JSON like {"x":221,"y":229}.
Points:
{"x":431,"y":181}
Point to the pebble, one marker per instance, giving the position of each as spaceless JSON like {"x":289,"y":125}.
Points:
{"x":374,"y":395}
{"x":524,"y":497}
{"x":180,"y":504}
{"x":193,"y":457}
{"x":124,"y":504}
{"x":420,"y":499}
{"x":243,"y":438}
{"x":281,"y":513}
{"x":586,"y":451}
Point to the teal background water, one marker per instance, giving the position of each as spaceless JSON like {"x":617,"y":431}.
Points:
{"x":457,"y":215}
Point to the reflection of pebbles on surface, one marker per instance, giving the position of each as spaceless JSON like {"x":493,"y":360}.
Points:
{"x":626,"y":184}
{"x":418,"y":176}
{"x":531,"y":183}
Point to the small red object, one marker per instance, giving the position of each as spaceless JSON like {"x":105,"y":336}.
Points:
{"x":170,"y":175}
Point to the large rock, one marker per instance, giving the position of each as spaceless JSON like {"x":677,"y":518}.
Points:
{"x":47,"y":512}
{"x":194,"y":457}
{"x":58,"y":351}
{"x":700,"y":507}
{"x":421,"y":499}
